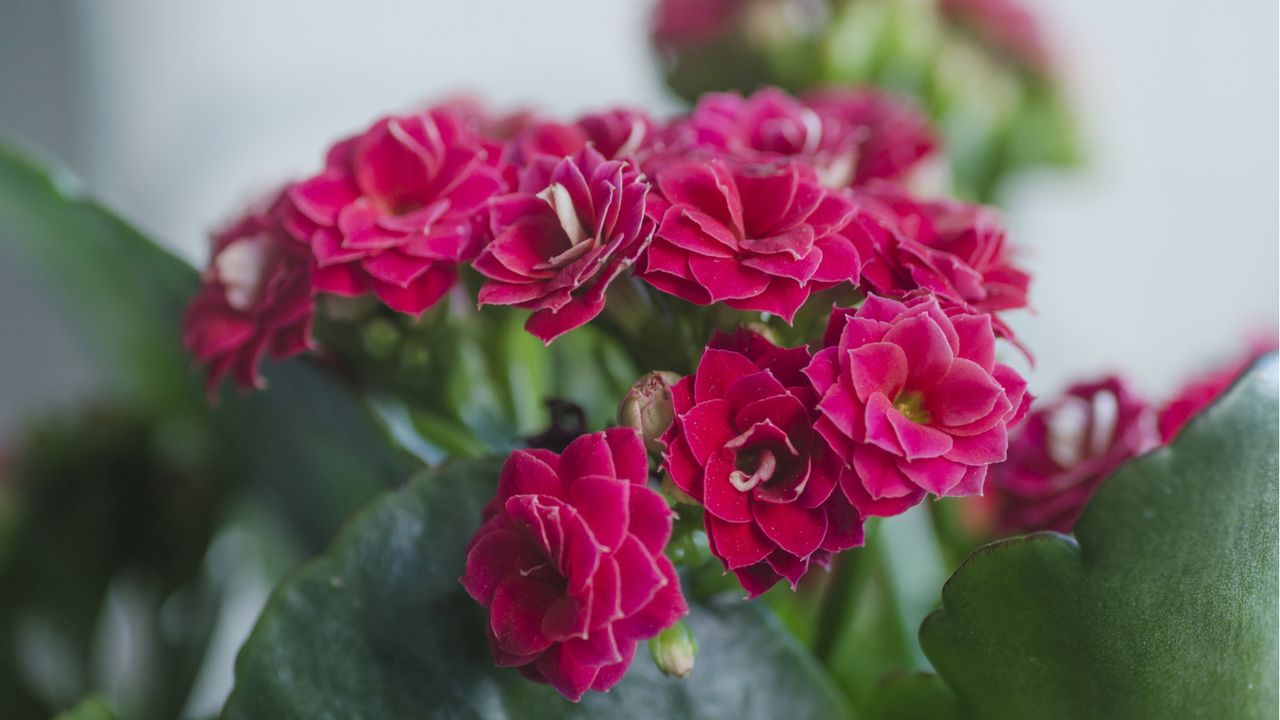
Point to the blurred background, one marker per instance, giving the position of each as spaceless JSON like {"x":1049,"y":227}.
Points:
{"x":1157,"y":255}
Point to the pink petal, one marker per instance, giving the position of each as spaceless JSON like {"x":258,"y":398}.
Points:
{"x":707,"y":427}
{"x":965,"y":395}
{"x":587,"y":455}
{"x":880,"y":367}
{"x":926,"y":348}
{"x":917,"y":440}
{"x":651,"y":519}
{"x":604,"y":503}
{"x":515,"y":615}
{"x":719,"y":496}
{"x":629,"y":457}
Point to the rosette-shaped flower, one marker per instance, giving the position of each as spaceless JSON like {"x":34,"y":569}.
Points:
{"x":954,"y":250}
{"x":255,"y":299}
{"x":914,"y":401}
{"x":849,"y":136}
{"x":743,"y":445}
{"x":574,"y":224}
{"x":617,"y":134}
{"x":393,"y":211}
{"x":1063,"y":453}
{"x":570,"y":564}
{"x":753,"y":236}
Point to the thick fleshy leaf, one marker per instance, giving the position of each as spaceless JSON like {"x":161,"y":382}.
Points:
{"x":1162,"y":606}
{"x":379,"y":627}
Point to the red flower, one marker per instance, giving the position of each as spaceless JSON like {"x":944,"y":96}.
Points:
{"x":256,"y":298}
{"x":849,"y":136}
{"x":753,"y":236}
{"x":682,"y":23}
{"x":570,"y":564}
{"x":617,"y":134}
{"x":1200,"y":393}
{"x":573,"y":226}
{"x":954,"y":250}
{"x":392,"y":213}
{"x":913,"y":400}
{"x":744,"y":446}
{"x":1064,"y":452}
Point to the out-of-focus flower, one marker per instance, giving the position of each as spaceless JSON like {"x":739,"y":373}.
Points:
{"x":753,"y":236}
{"x":743,"y":445}
{"x":255,"y":299}
{"x":574,"y":224}
{"x":570,"y":564}
{"x":1063,"y":453}
{"x":1005,"y":27}
{"x":617,"y":134}
{"x":954,"y":250}
{"x":913,"y":400}
{"x":681,"y":23}
{"x":849,"y":136}
{"x":393,"y":212}
{"x":1200,"y":393}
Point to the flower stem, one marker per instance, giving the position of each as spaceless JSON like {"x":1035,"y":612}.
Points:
{"x":842,"y":594}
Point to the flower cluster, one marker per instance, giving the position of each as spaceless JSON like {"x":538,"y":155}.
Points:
{"x":761,"y":206}
{"x":755,"y":202}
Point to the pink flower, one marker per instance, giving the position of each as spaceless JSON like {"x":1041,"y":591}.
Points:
{"x":617,"y":134}
{"x":574,"y":224}
{"x":1006,"y":26}
{"x":1200,"y":393}
{"x":913,"y":400}
{"x":743,"y":445}
{"x":889,"y":135}
{"x":753,"y":236}
{"x":681,"y":23}
{"x":256,"y":299}
{"x":1064,"y":452}
{"x":393,"y":211}
{"x":849,"y":136}
{"x":570,"y":564}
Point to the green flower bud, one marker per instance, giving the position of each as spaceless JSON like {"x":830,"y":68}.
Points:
{"x":674,"y":650}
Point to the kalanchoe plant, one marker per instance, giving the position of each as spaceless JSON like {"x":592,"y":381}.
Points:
{"x":747,"y":211}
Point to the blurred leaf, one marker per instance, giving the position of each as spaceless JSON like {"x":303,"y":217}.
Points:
{"x":103,"y":510}
{"x":1164,"y":604}
{"x":914,"y":696}
{"x":380,"y":628}
{"x":125,"y":294}
{"x":91,"y":709}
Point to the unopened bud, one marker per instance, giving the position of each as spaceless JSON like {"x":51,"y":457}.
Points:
{"x":674,"y":650}
{"x":647,"y":407}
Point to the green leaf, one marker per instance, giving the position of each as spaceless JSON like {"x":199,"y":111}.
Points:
{"x":1162,"y":606}
{"x":380,"y":628}
{"x":914,"y":696}
{"x":125,"y":293}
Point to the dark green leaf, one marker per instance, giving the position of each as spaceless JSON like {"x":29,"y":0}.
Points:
{"x":1164,"y":604}
{"x":379,"y":628}
{"x":91,"y":709}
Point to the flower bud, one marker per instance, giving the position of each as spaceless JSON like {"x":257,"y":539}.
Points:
{"x":646,"y":407}
{"x":674,"y":650}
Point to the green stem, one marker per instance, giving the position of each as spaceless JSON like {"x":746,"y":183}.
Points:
{"x":842,"y":594}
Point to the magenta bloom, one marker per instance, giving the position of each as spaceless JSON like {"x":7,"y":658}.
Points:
{"x":393,"y":211}
{"x":574,"y":224}
{"x":743,"y":444}
{"x":255,"y":299}
{"x":849,"y":136}
{"x":913,"y":400}
{"x":1064,"y":452}
{"x":954,"y":250}
{"x":682,"y":23}
{"x":570,"y":564}
{"x":617,"y":134}
{"x":753,"y":236}
{"x":1200,"y":393}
